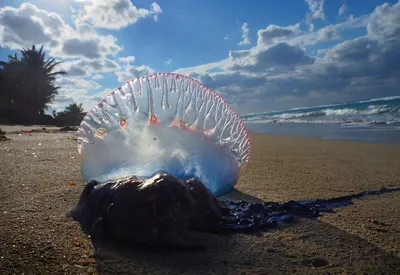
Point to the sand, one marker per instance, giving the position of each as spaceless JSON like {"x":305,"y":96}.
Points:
{"x":364,"y":238}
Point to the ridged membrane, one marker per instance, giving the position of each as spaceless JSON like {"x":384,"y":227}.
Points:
{"x":164,"y":122}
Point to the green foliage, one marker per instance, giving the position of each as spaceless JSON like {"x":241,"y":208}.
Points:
{"x":27,"y":85}
{"x":72,"y":115}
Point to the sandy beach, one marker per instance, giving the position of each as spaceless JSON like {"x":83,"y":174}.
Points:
{"x":364,"y":238}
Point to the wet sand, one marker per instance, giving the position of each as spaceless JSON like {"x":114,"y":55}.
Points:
{"x":36,"y":238}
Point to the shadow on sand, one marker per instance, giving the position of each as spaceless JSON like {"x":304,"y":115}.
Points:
{"x":307,"y":246}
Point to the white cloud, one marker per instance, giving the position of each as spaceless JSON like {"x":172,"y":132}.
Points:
{"x":274,"y":33}
{"x":168,"y":62}
{"x":155,"y":10}
{"x":316,"y":8}
{"x":245,"y":34}
{"x":328,"y":33}
{"x":68,"y":82}
{"x":85,"y":67}
{"x":342,"y":9}
{"x":114,"y":14}
{"x":204,"y":67}
{"x":28,"y":25}
{"x":130,"y":72}
{"x":280,"y":71}
{"x":127,"y":59}
{"x":280,"y":56}
{"x":385,"y":22}
{"x":98,"y":76}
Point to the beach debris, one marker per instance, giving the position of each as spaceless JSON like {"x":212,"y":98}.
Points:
{"x":3,"y":136}
{"x":71,"y":182}
{"x":67,"y":128}
{"x":245,"y":217}
{"x":28,"y":132}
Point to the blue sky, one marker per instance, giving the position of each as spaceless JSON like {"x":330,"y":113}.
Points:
{"x":259,"y":55}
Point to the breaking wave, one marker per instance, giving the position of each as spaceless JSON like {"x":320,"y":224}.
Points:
{"x":379,"y":112}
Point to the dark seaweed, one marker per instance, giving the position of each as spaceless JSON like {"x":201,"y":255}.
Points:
{"x":247,"y":217}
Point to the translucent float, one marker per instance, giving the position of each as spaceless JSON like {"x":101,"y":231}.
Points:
{"x":168,"y":123}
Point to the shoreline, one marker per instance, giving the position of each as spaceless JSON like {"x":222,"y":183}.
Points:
{"x":35,"y":236}
{"x":330,"y":131}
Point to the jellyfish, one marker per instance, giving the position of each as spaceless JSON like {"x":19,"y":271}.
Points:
{"x":157,"y":152}
{"x":168,"y":123}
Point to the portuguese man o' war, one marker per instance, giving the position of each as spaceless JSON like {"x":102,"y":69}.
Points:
{"x":156,"y":153}
{"x":168,"y":123}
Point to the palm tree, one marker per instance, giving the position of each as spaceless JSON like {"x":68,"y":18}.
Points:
{"x":28,"y":84}
{"x":72,"y":115}
{"x":9,"y":84}
{"x":74,"y":109}
{"x":40,"y":77}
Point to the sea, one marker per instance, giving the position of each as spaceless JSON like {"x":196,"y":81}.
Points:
{"x":373,"y":120}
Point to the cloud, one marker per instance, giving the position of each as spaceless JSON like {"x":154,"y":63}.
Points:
{"x":327,"y":33}
{"x":130,"y":72}
{"x":84,"y":48}
{"x":356,"y":50}
{"x":98,"y":76}
{"x":28,"y":25}
{"x":245,"y":35}
{"x":225,"y":80}
{"x":67,"y":82}
{"x":127,"y":59}
{"x":155,"y":11}
{"x":274,"y":33}
{"x":316,"y":8}
{"x":279,"y":72}
{"x":168,"y":62}
{"x":278,"y":56}
{"x":385,"y":22}
{"x":343,"y":8}
{"x":85,"y":67}
{"x":115,"y":14}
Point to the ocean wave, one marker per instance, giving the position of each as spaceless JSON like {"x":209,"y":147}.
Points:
{"x":379,"y":99}
{"x":293,"y":120}
{"x":343,"y":122}
{"x":370,"y":110}
{"x":378,"y":112}
{"x":382,"y":105}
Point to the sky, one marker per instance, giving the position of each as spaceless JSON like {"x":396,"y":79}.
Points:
{"x":260,"y":55}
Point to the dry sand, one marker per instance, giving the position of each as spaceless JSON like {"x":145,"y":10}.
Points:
{"x":364,"y":238}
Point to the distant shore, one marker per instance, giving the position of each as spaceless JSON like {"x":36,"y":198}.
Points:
{"x":35,"y":236}
{"x":37,"y":128}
